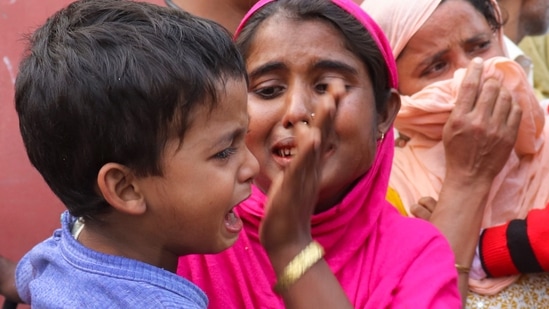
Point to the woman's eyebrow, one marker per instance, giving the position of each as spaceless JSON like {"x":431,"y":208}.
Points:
{"x":335,"y":65}
{"x":478,"y":38}
{"x":432,"y":58}
{"x":266,"y":68}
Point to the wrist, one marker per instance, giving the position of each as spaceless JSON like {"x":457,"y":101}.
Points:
{"x":298,"y":266}
{"x":459,"y":179}
{"x":281,"y":256}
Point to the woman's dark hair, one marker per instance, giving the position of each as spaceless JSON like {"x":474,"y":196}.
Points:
{"x":488,"y":10}
{"x":357,"y":39}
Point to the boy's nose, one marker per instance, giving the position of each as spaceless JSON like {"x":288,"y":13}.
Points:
{"x":251,"y":168}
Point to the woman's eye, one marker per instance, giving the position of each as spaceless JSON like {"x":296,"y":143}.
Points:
{"x":482,"y":46}
{"x":225,"y":154}
{"x":269,"y":92}
{"x":485,"y":44}
{"x":435,"y":68}
{"x":322,"y":84}
{"x":321,"y":88}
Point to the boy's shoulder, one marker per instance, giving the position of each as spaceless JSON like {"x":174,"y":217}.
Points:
{"x":60,"y":272}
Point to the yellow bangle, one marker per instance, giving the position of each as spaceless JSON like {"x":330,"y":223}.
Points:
{"x":302,"y":262}
{"x":462,"y":269}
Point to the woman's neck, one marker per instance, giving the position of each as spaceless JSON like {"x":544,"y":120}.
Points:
{"x":225,"y":12}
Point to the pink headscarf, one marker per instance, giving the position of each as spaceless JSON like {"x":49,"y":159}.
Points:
{"x":376,"y":254}
{"x":331,"y":226}
{"x":368,"y":23}
{"x":419,"y":168}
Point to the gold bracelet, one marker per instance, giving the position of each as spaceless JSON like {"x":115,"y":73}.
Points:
{"x":302,"y":262}
{"x":462,"y":269}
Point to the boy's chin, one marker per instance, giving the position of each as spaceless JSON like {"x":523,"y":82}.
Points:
{"x":226,"y":244}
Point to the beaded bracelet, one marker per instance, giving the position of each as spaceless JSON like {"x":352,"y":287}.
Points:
{"x":302,"y":262}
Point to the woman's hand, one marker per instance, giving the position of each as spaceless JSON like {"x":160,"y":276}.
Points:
{"x":424,"y":208}
{"x":293,"y":194}
{"x":482,"y":128}
{"x":478,"y":139}
{"x":286,"y":228}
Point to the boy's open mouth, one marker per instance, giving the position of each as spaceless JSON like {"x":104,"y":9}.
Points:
{"x":233,"y":222}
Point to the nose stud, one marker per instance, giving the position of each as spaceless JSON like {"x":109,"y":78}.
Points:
{"x":312,"y":116}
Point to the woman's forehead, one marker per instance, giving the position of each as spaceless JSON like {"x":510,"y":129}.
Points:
{"x":283,"y":28}
{"x":451,"y":21}
{"x":280,"y":36}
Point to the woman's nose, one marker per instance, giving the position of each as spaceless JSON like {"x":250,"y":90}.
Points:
{"x":299,"y":107}
{"x":463,"y":61}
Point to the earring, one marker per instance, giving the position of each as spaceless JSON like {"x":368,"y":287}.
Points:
{"x":382,"y":136}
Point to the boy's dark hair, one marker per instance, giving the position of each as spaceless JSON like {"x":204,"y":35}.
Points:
{"x":110,"y":81}
{"x":357,"y":39}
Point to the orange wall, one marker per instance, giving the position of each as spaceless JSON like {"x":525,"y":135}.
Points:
{"x":29,"y":212}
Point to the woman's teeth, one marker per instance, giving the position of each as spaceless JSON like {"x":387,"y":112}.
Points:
{"x":286,"y":152}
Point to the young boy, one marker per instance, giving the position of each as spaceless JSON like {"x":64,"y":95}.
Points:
{"x":135,"y":115}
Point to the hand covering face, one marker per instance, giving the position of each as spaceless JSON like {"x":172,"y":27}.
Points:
{"x":419,"y":168}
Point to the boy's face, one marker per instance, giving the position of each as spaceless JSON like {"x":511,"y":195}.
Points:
{"x":204,"y":178}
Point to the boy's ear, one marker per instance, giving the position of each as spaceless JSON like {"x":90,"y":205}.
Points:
{"x":120,"y":189}
{"x":385,"y":119}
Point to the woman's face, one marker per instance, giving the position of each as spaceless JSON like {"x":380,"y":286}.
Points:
{"x":449,"y":40}
{"x":289,"y":65}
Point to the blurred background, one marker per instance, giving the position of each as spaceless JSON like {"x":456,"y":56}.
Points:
{"x":29,"y":212}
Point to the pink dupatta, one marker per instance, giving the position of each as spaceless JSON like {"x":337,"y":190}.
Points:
{"x":377,"y":254}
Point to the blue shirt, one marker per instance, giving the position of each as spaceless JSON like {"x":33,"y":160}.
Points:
{"x":62,"y":273}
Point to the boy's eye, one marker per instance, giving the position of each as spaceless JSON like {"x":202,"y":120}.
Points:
{"x":225,"y":154}
{"x":269,"y":92}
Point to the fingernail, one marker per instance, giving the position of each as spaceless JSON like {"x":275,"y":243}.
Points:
{"x":477,"y":60}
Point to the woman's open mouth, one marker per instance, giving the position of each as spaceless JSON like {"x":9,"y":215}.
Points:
{"x":284,"y":151}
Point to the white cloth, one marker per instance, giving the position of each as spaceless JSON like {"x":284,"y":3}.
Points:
{"x":520,"y":57}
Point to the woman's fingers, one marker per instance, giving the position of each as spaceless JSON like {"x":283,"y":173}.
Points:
{"x":502,"y":108}
{"x":479,"y":136}
{"x":514,"y":118}
{"x":487,"y":100}
{"x":294,"y":193}
{"x":424,"y":208}
{"x":469,"y":88}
